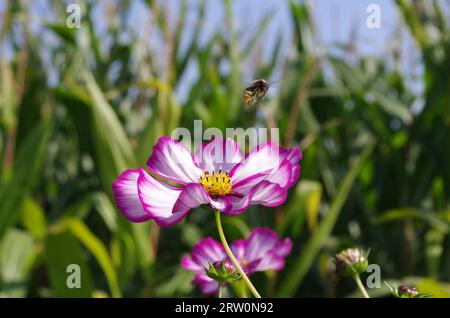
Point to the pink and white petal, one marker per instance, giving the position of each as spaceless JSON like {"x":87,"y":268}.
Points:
{"x":125,"y":190}
{"x":269,"y":261}
{"x":172,"y":161}
{"x":207,"y":285}
{"x":158,"y":199}
{"x":188,"y":264}
{"x":294,"y":155}
{"x":282,"y":175}
{"x":244,"y":186}
{"x":220,"y":203}
{"x":237,"y":204}
{"x":238,"y":248}
{"x":205,"y":252}
{"x":284,"y":248}
{"x":268,"y":194}
{"x":296,"y":169}
{"x":260,"y":242}
{"x":192,"y":196}
{"x":218,"y":154}
{"x":257,"y":165}
{"x":208,"y":251}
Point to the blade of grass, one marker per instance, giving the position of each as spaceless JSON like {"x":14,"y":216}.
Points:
{"x":430,"y":218}
{"x":16,"y":251}
{"x":113,"y":150}
{"x":26,"y":171}
{"x":62,"y":249}
{"x":33,"y":219}
{"x":98,"y":250}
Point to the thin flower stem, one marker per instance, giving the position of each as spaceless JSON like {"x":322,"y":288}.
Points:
{"x":233,"y":259}
{"x":220,"y":292}
{"x":361,"y":286}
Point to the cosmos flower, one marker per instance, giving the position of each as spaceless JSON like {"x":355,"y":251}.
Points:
{"x":217,"y":175}
{"x":260,"y":252}
{"x":206,"y":252}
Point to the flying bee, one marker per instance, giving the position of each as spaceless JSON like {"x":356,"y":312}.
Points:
{"x":257,"y":89}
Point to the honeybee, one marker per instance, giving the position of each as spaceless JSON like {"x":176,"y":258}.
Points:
{"x":257,"y":89}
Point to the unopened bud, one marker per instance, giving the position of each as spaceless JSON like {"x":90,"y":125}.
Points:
{"x":352,"y":261}
{"x":222,"y":271}
{"x":405,"y":291}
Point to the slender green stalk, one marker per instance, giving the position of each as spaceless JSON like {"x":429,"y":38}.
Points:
{"x":233,"y":259}
{"x":220,"y":292}
{"x":361,"y":286}
{"x":240,"y":289}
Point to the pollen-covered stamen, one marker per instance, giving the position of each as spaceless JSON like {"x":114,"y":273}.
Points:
{"x":216,"y":183}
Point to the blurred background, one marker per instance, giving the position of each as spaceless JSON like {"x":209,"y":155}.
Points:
{"x":369,"y":107}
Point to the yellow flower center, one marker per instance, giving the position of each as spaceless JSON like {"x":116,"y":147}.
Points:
{"x":216,"y":184}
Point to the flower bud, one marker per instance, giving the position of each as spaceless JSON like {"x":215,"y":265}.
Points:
{"x":351,"y":262}
{"x":406,"y":292}
{"x":222,"y":271}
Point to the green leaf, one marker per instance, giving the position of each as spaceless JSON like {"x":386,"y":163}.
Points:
{"x":8,"y":102}
{"x":363,"y":85}
{"x":16,"y":255}
{"x":312,"y":202}
{"x":113,"y":150}
{"x":106,"y":210}
{"x":27,"y":168}
{"x":62,"y":250}
{"x":98,"y":250}
{"x":125,"y":257}
{"x":301,"y":266}
{"x":64,"y":32}
{"x":393,"y":106}
{"x":33,"y":218}
{"x":432,"y":219}
{"x":413,"y":21}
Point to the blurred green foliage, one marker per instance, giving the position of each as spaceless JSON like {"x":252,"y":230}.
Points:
{"x":375,"y":173}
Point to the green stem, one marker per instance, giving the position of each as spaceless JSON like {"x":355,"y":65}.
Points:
{"x":220,"y":292}
{"x":361,"y":286}
{"x":233,"y":259}
{"x":240,"y":288}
